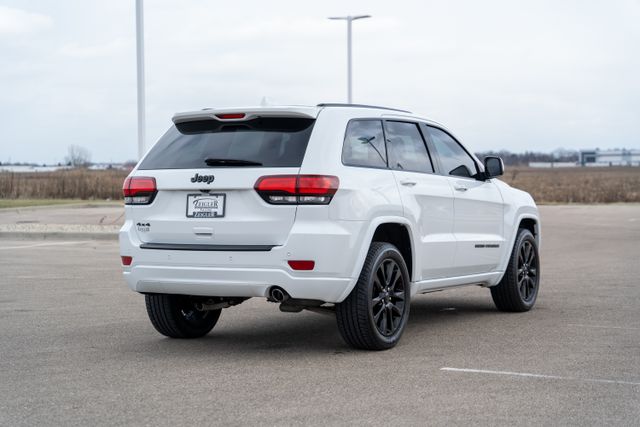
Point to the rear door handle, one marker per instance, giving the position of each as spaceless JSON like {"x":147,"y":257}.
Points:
{"x":459,"y":187}
{"x":408,"y":183}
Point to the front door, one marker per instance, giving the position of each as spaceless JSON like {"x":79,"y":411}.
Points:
{"x":478,"y":206}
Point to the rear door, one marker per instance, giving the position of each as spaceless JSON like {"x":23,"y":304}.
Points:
{"x":427,"y":198}
{"x":478,"y":205}
{"x":206,"y":169}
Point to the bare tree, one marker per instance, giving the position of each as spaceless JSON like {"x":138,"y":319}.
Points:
{"x":78,"y":157}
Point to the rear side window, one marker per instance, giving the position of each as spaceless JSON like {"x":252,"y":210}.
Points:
{"x":266,"y":142}
{"x":454,"y":159}
{"x":407,"y":150}
{"x":364,"y":144}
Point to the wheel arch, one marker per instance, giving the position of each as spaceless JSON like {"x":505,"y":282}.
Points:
{"x":383,"y":228}
{"x":399,"y":236}
{"x":529,"y":220}
{"x":530,"y":223}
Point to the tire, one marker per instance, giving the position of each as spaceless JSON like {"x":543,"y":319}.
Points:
{"x":175,"y":316}
{"x":518,"y":289}
{"x":360,"y":316}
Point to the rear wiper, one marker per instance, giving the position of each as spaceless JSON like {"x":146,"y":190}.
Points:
{"x":230,"y":162}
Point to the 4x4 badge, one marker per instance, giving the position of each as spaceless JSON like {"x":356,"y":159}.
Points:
{"x":143,"y":226}
{"x":203,"y":178}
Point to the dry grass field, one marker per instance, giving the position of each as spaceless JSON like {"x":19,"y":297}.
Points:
{"x":65,"y":184}
{"x":559,"y":185}
{"x":577,"y":185}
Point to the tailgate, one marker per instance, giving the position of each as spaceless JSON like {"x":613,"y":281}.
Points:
{"x":227,"y":211}
{"x":205,"y":170}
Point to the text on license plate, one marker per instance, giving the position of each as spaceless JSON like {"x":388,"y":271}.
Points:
{"x":205,"y":205}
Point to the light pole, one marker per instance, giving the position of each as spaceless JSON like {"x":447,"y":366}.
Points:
{"x":140,"y":76}
{"x":349,"y":20}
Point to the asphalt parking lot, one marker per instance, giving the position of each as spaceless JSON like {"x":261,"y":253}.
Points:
{"x":77,"y":347}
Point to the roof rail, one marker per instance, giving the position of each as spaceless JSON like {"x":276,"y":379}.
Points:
{"x":337,"y":104}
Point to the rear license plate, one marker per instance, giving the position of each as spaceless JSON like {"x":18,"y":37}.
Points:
{"x":205,"y":205}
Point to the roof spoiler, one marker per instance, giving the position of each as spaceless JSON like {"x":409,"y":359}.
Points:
{"x":242,"y":114}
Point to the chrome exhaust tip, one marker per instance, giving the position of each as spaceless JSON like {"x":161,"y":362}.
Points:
{"x":277,"y":294}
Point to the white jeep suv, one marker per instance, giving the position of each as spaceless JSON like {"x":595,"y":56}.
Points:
{"x":346,"y":208}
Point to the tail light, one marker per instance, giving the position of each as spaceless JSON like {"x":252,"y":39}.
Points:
{"x":139,"y":190}
{"x":297,"y":189}
{"x":126,"y":260}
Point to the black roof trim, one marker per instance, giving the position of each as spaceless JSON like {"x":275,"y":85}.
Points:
{"x":337,"y":104}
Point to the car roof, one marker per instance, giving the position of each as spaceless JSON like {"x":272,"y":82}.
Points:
{"x":302,"y":111}
{"x":305,"y":111}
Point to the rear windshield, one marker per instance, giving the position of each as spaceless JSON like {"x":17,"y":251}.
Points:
{"x":261,"y":142}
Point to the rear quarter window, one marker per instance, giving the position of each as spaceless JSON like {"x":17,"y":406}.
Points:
{"x":264,"y":142}
{"x":364,"y":144}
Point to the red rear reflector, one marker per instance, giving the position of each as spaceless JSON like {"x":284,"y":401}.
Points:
{"x":297,"y":189}
{"x":230,"y":116}
{"x":139,"y":190}
{"x":126,"y":260}
{"x":302,"y":265}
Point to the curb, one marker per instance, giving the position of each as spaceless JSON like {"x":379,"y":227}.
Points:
{"x":57,"y":235}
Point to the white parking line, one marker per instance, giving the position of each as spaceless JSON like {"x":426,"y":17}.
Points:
{"x":603,"y":326}
{"x":38,"y":245}
{"x":524,"y":374}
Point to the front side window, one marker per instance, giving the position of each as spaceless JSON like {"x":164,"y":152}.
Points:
{"x":364,"y":144}
{"x":407,"y":150}
{"x":454,"y":159}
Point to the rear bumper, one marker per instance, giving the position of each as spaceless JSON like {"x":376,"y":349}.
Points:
{"x":232,"y":282}
{"x":334,"y":249}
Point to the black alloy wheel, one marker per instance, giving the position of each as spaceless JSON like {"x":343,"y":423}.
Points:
{"x":387,"y":303}
{"x":518,"y":289}
{"x":375,"y":313}
{"x":176,"y":316}
{"x":527,"y":271}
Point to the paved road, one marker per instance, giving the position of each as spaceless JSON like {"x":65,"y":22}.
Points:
{"x":77,"y":348}
{"x":87,"y":213}
{"x":97,"y":220}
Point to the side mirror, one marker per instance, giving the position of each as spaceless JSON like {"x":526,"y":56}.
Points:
{"x":493,"y":166}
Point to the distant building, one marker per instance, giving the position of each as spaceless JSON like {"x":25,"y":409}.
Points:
{"x":108,"y":166}
{"x":547,"y":165}
{"x":30,"y":168}
{"x":609,"y":157}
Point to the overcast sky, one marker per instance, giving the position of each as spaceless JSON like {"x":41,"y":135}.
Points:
{"x":513,"y":75}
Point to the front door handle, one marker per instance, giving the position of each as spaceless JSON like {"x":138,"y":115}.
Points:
{"x":459,"y":187}
{"x":408,"y":183}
